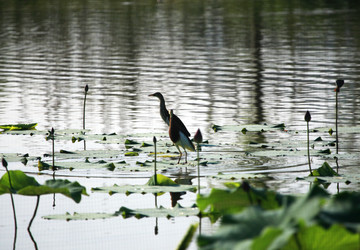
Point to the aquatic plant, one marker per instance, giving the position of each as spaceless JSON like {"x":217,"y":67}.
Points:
{"x":155,"y":176}
{"x":85,"y":94}
{"x":5,"y":164}
{"x":339,"y":84}
{"x":198,"y":139}
{"x":308,"y":119}
{"x":269,"y":220}
{"x":52,"y":138}
{"x":11,"y":127}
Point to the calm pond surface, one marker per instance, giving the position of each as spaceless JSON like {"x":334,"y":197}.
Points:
{"x":216,"y":62}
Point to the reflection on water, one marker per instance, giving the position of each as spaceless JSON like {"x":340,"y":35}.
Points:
{"x":231,"y":62}
{"x":216,"y":62}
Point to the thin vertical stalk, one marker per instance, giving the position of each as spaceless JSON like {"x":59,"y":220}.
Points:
{"x":5,"y":164}
{"x":337,"y":131}
{"x":52,"y":135}
{"x":86,"y":90}
{"x":15,"y":222}
{"x":308,"y":119}
{"x":198,"y":139}
{"x":31,"y":221}
{"x":308,"y":147}
{"x":198,"y":166}
{"x":339,"y":84}
{"x":155,"y":176}
{"x":336,"y":122}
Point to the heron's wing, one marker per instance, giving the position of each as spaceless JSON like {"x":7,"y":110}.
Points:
{"x":186,"y":143}
{"x":180,"y":125}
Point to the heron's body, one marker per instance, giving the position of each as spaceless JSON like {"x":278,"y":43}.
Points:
{"x":178,"y":133}
{"x":178,"y":136}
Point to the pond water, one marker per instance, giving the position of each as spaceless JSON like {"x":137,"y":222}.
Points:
{"x":216,"y":62}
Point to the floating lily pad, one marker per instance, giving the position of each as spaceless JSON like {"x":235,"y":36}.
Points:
{"x":129,"y":141}
{"x":79,"y":216}
{"x":125,"y":212}
{"x":91,"y":165}
{"x":132,"y":153}
{"x":13,"y":157}
{"x":176,"y":211}
{"x":289,"y":152}
{"x":345,"y":130}
{"x":144,"y":189}
{"x":237,"y":176}
{"x":13,"y":127}
{"x":249,"y":127}
{"x":325,"y":174}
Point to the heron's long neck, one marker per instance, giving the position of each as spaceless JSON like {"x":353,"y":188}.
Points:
{"x":164,"y":112}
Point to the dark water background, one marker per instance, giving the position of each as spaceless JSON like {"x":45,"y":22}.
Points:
{"x":216,"y":62}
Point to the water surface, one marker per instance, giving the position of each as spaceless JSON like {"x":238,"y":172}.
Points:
{"x":216,"y":62}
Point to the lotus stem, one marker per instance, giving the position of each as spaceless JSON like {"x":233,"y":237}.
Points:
{"x":198,"y":139}
{"x":5,"y":164}
{"x":31,"y":221}
{"x":308,"y":119}
{"x":336,"y":122}
{"x":155,"y":177}
{"x":86,"y":90}
{"x":339,"y":84}
{"x":15,"y":222}
{"x":52,"y":137}
{"x":198,"y":166}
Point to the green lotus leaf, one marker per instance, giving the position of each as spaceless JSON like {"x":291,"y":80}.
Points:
{"x":12,"y":127}
{"x":161,"y":180}
{"x":26,"y":185}
{"x":325,"y":170}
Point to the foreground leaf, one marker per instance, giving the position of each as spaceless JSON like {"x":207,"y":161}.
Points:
{"x":317,"y":237}
{"x":19,"y":180}
{"x":26,"y":185}
{"x":314,"y":221}
{"x":184,"y":244}
{"x":221,"y":201}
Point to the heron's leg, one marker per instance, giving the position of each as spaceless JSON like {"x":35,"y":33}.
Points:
{"x":185,"y":155}
{"x":179,"y":152}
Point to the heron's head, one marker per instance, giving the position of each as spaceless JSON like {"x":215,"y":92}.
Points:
{"x":158,"y":95}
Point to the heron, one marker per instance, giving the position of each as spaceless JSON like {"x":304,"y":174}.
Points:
{"x":178,"y":133}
